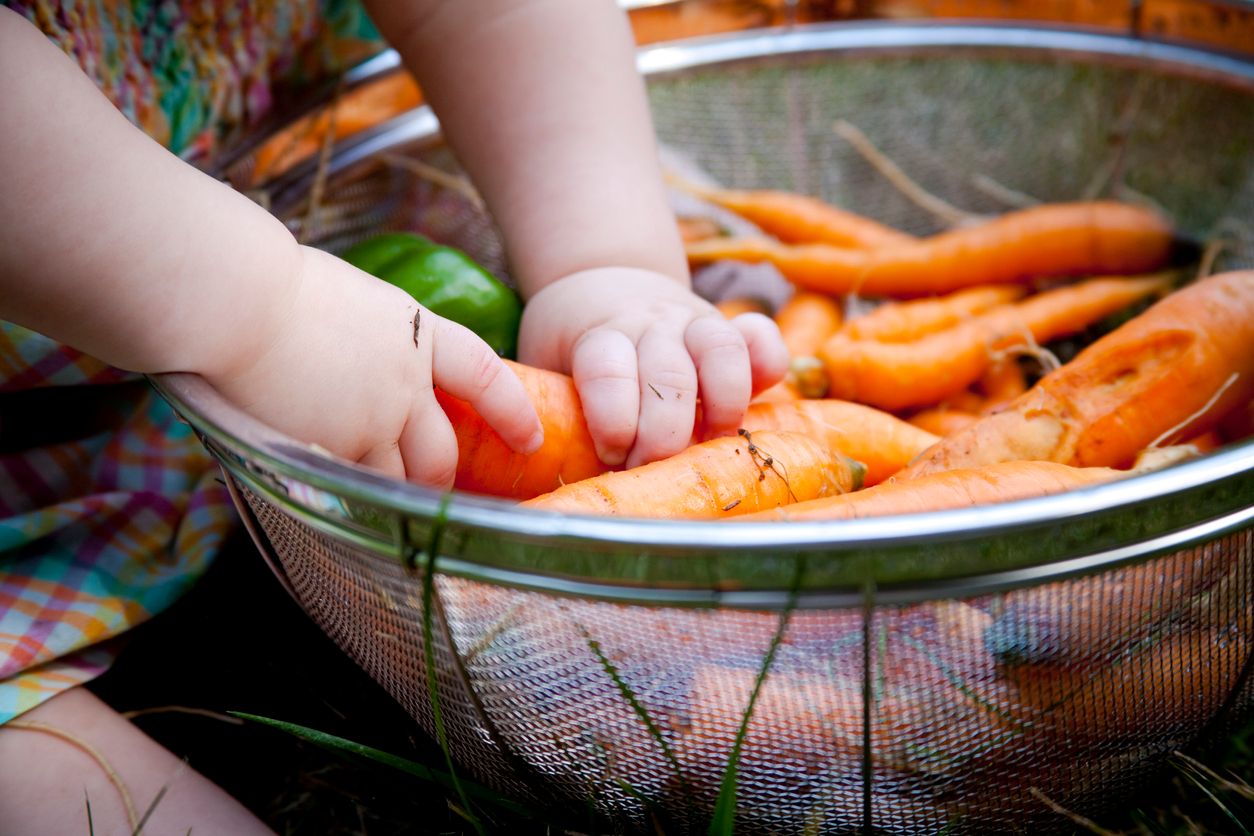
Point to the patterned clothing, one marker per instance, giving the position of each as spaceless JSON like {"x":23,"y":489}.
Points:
{"x":103,"y":528}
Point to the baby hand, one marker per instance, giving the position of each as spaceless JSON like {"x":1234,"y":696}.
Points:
{"x":641,"y":347}
{"x":352,"y":367}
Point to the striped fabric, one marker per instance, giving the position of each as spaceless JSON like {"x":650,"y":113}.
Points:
{"x":99,"y":533}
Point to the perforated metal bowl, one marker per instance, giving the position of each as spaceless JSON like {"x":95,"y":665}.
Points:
{"x":926,"y":673}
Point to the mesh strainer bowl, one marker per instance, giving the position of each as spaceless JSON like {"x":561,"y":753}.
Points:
{"x":941,"y":672}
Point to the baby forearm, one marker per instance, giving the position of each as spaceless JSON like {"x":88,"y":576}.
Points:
{"x":112,"y":244}
{"x":543,"y":104}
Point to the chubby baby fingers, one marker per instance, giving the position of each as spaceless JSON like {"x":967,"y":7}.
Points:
{"x":465,"y":367}
{"x":722,"y":359}
{"x":604,"y":367}
{"x":768,"y":356}
{"x":668,"y":393}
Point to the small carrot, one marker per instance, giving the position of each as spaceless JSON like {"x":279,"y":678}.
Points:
{"x":1002,"y":482}
{"x":487,"y":465}
{"x":942,"y":420}
{"x":928,"y":370}
{"x":1165,"y":687}
{"x":899,"y":322}
{"x":697,"y":229}
{"x":882,"y":442}
{"x":1002,"y":383}
{"x":1065,"y":239}
{"x":1097,"y":617}
{"x":806,"y":320}
{"x":1173,"y":372}
{"x":798,"y":218}
{"x":730,"y":308}
{"x":720,"y":478}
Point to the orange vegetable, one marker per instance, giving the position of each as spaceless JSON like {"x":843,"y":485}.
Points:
{"x":1173,"y":372}
{"x":720,"y":478}
{"x":806,"y":321}
{"x":782,"y":392}
{"x":355,"y":111}
{"x":735,"y":307}
{"x":1002,"y":383}
{"x":943,"y":420}
{"x":941,"y":491}
{"x":928,"y":370}
{"x":1098,"y":617}
{"x":882,"y":442}
{"x":697,"y":229}
{"x":797,"y":218}
{"x":1065,"y":239}
{"x":1154,"y":691}
{"x":899,"y":322}
{"x":485,"y":464}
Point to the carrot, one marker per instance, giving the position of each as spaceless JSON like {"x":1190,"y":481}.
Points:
{"x":486,"y":465}
{"x":783,"y":392}
{"x":1166,"y":687}
{"x":355,"y":111}
{"x":806,"y":320}
{"x":697,"y":229}
{"x":942,"y":420}
{"x":899,"y":322}
{"x":797,"y":218}
{"x":882,"y":442}
{"x":1002,"y":383}
{"x":928,"y":370}
{"x":1002,"y":482}
{"x":719,"y":478}
{"x":1173,"y":372}
{"x":742,"y":304}
{"x":1065,"y":239}
{"x":1097,"y":618}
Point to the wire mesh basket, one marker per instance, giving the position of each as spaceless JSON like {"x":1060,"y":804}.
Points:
{"x":952,"y":672}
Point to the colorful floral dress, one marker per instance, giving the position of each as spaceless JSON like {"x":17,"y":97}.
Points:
{"x":110,"y":508}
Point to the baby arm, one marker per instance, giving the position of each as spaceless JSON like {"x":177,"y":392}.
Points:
{"x":542,"y":102}
{"x":113,"y":245}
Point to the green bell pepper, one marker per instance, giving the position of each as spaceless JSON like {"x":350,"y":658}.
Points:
{"x":447,"y":281}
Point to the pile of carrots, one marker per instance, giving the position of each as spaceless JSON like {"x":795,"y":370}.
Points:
{"x":926,"y":403}
{"x":944,"y":395}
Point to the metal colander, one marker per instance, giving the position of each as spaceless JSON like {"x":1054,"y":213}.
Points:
{"x":949,"y":672}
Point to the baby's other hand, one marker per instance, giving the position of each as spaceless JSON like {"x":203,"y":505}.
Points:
{"x":352,"y":366}
{"x":641,"y":347}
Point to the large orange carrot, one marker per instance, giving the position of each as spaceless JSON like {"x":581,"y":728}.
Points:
{"x":485,"y":464}
{"x":928,"y":370}
{"x":720,"y":478}
{"x":1067,"y":239}
{"x":806,"y":320}
{"x":941,"y":491}
{"x":1172,"y":372}
{"x":882,"y":442}
{"x":898,"y":322}
{"x":797,"y":218}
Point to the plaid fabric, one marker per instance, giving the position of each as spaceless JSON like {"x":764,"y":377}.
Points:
{"x":96,"y":534}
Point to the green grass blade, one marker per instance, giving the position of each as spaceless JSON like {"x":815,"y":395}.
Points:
{"x":723,"y":822}
{"x":344,"y":746}
{"x":428,"y":649}
{"x":143,"y":820}
{"x":638,"y":707}
{"x":91,"y":826}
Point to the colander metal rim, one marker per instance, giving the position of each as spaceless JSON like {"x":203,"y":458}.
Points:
{"x":257,"y":448}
